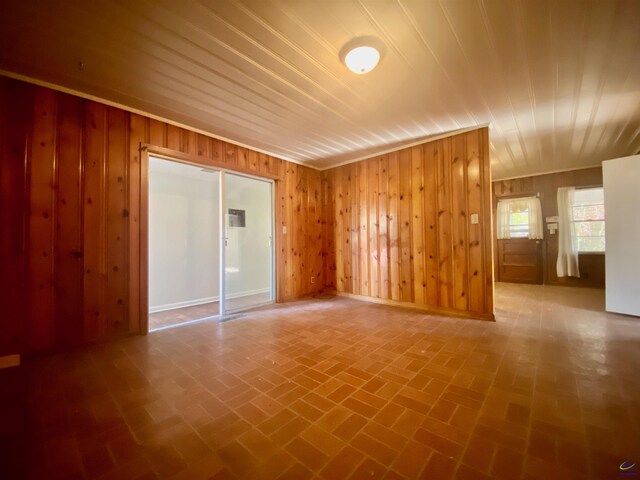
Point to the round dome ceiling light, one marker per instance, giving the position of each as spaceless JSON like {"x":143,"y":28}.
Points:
{"x":361,"y":55}
{"x":362,"y":60}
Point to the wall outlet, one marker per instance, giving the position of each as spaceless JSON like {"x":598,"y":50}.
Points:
{"x":474,"y":219}
{"x":313,"y":279}
{"x":284,"y":229}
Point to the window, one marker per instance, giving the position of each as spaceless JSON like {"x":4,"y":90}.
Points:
{"x":587,"y":212}
{"x":519,"y":218}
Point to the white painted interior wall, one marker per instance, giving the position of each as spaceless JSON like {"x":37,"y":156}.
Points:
{"x":184,"y":239}
{"x":621,"y":179}
{"x":183,"y":235}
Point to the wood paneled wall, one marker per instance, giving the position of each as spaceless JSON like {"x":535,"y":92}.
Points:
{"x":402,"y":231}
{"x":72,"y":185}
{"x":591,"y":265}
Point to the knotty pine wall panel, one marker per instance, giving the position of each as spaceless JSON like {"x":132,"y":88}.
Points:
{"x":592,"y":266}
{"x":73,"y":223}
{"x":402,"y":230}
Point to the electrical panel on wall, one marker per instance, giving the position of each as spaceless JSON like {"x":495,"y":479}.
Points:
{"x":237,"y":218}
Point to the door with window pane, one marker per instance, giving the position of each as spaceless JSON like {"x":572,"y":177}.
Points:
{"x":519,"y":258}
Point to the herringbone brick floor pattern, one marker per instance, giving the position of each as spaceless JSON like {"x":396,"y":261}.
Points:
{"x":340,"y":389}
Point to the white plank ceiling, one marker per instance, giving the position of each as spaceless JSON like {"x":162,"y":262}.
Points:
{"x":558,"y":81}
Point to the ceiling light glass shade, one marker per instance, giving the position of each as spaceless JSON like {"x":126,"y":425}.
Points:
{"x":362,"y":59}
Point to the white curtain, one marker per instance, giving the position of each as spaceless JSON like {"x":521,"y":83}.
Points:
{"x":567,"y":264}
{"x":536,"y":227}
{"x":534,"y":216}
{"x":502,"y":220}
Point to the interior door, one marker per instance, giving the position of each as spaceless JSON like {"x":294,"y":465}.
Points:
{"x":248,"y":242}
{"x":520,"y":261}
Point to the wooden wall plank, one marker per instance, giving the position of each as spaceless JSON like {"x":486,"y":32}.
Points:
{"x":190,"y":142}
{"x":374,"y":228}
{"x":328,"y":234}
{"x":16,"y":110}
{"x":353,"y":228}
{"x":217,"y":153}
{"x":69,"y":202}
{"x":417,"y":225}
{"x":94,"y":222}
{"x":230,"y":154}
{"x":291,"y":252}
{"x":117,"y":219}
{"x":138,"y":134}
{"x":363,"y":228}
{"x":406,"y":220}
{"x":243,"y":154}
{"x":383,"y":185}
{"x":300,"y":239}
{"x":157,"y":133}
{"x":174,"y":138}
{"x":487,"y":226}
{"x":445,"y":242}
{"x":394,"y":231}
{"x":43,"y":173}
{"x":339,"y":231}
{"x":281,"y":224}
{"x":459,"y":220}
{"x":475,"y":206}
{"x":204,"y":146}
{"x":431,"y":222}
{"x":314,"y":231}
{"x":347,"y":207}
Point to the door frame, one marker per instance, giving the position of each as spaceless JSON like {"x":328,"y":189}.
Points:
{"x":147,"y":150}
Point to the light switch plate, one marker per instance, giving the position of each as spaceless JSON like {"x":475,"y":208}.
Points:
{"x":474,"y":219}
{"x":284,"y":229}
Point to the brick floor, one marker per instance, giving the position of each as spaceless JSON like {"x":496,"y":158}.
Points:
{"x":337,"y":389}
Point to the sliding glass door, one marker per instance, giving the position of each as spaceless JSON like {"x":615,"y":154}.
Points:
{"x":210,"y":244}
{"x":248,"y":242}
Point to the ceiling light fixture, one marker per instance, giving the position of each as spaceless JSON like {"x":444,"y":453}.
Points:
{"x":362,"y":59}
{"x":361,"y":55}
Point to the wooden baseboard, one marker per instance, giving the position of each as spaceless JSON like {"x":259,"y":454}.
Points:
{"x":490,"y":317}
{"x":10,"y":361}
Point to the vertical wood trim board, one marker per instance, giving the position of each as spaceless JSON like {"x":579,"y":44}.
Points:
{"x":402,"y":226}
{"x":73,"y":216}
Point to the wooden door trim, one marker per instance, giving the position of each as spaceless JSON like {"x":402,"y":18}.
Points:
{"x":144,"y":241}
{"x":199,"y":161}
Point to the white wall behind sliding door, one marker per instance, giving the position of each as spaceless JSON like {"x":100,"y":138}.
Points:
{"x":183,"y":235}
